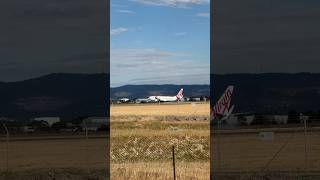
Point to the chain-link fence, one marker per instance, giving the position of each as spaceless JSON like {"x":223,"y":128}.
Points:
{"x":266,"y":150}
{"x":152,"y":156}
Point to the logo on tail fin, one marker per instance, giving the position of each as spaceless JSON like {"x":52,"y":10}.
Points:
{"x":222,"y":107}
{"x":180,"y":94}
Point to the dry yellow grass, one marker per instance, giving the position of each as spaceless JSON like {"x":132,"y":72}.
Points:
{"x":176,"y":109}
{"x":162,"y":133}
{"x":160,"y":171}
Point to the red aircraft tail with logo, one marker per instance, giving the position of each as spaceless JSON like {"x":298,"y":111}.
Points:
{"x":222,"y":107}
{"x":180,"y":94}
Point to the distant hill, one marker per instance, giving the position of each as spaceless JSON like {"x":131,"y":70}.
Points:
{"x":143,"y":91}
{"x":64,"y":95}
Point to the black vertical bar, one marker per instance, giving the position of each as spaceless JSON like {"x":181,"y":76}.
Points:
{"x":173,"y":164}
{"x":107,"y":99}
{"x":212,"y":39}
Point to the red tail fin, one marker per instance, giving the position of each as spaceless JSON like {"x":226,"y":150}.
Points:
{"x":223,"y":104}
{"x":180,"y":94}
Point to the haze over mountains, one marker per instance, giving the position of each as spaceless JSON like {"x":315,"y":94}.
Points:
{"x":75,"y":95}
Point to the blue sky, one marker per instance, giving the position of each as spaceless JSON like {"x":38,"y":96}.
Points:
{"x":160,"y":42}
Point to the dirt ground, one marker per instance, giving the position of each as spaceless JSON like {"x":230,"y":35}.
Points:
{"x":73,"y":153}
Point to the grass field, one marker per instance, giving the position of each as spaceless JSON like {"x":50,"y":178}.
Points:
{"x":174,"y":109}
{"x":142,"y":137}
{"x":141,"y":148}
{"x":36,"y":158}
{"x":160,"y":171}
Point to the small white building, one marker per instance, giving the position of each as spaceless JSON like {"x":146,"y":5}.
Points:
{"x":281,"y":119}
{"x":195,"y":99}
{"x":94,"y":123}
{"x":27,"y":129}
{"x":303,"y":118}
{"x":49,"y":120}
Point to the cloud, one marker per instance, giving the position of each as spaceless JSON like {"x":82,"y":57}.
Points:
{"x":43,"y":37}
{"x":186,"y":79}
{"x":56,"y":9}
{"x":118,"y":31}
{"x":172,"y":3}
{"x":206,"y":15}
{"x":116,"y":5}
{"x":126,"y":11}
{"x":260,"y":39}
{"x":153,"y":66}
{"x":180,"y":33}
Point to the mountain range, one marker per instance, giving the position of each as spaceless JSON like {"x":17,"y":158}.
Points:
{"x":76,"y":95}
{"x":65,"y":95}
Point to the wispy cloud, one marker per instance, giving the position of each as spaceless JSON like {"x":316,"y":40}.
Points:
{"x":188,"y":79}
{"x":153,"y":66}
{"x":126,"y":11}
{"x":180,"y":33}
{"x":118,"y":31}
{"x":172,"y":3}
{"x":206,"y":15}
{"x":117,"y":5}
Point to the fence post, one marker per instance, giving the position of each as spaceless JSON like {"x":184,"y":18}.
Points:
{"x":86,"y":147}
{"x":173,"y":164}
{"x":7,"y":146}
{"x":305,"y":146}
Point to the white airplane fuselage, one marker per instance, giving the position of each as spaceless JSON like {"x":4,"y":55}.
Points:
{"x":163,"y":98}
{"x":178,"y":97}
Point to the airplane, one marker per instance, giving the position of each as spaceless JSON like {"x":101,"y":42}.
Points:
{"x":222,"y":114}
{"x":124,"y":100}
{"x":178,"y":97}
